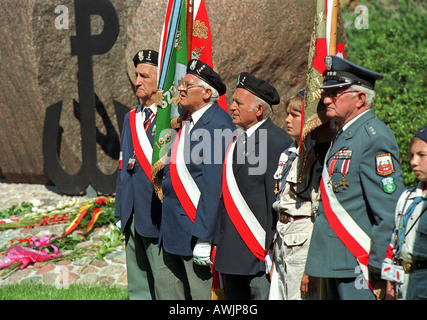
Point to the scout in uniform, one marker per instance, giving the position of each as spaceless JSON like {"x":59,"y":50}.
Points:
{"x":360,"y":185}
{"x":405,"y":266}
{"x":296,"y":206}
{"x":137,"y":207}
{"x":246,"y":217}
{"x":192,"y":187}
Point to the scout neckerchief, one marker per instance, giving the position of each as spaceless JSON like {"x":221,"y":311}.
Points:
{"x":244,"y":220}
{"x":183,"y":183}
{"x":349,"y":232}
{"x":139,"y":123}
{"x":404,"y":218}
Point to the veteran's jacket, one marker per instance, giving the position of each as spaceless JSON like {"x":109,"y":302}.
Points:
{"x":204,"y":153}
{"x":233,"y":255}
{"x":134,"y":191}
{"x":366,"y":178}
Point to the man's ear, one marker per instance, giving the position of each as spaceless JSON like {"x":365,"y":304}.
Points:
{"x":207,"y":95}
{"x":361,"y":99}
{"x":260,"y":110}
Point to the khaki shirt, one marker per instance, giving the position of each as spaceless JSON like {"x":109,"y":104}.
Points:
{"x":304,"y":204}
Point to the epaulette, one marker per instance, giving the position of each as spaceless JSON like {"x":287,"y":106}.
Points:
{"x":370,"y":129}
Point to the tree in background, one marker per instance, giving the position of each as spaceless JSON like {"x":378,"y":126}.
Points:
{"x":390,"y":36}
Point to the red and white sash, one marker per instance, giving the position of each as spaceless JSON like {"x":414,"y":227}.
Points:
{"x":349,"y":232}
{"x":183,"y":183}
{"x":249,"y":228}
{"x":141,"y":144}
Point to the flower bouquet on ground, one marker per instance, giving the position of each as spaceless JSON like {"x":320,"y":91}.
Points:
{"x":84,"y":216}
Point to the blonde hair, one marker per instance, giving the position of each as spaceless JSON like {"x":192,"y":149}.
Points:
{"x":294,"y":103}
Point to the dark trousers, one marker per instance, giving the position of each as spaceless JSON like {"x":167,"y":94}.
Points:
{"x":247,"y":287}
{"x":348,"y":289}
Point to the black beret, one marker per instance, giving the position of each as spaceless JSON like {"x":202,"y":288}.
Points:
{"x":421,"y":133}
{"x":207,"y":74}
{"x":341,"y":73}
{"x":258,"y":87}
{"x":146,"y":56}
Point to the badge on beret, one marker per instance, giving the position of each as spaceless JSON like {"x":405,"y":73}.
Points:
{"x":388,"y":185}
{"x":240,"y":81}
{"x":328,"y":62}
{"x":193,"y":65}
{"x":384,"y":164}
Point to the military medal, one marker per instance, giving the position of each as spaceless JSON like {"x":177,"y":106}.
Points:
{"x":131,"y":163}
{"x":346,"y":155}
{"x":276,"y":188}
{"x":331,"y":170}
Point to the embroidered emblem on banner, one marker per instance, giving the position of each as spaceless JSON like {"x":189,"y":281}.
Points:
{"x":384,"y":164}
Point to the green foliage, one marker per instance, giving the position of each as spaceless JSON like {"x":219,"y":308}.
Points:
{"x":14,"y":210}
{"x":38,"y":291}
{"x":395,"y":44}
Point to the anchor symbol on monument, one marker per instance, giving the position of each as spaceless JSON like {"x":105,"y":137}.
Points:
{"x":84,"y":45}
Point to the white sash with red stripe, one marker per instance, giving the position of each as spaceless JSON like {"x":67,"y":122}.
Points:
{"x":183,"y":183}
{"x":249,"y":228}
{"x":141,"y":144}
{"x":349,"y":232}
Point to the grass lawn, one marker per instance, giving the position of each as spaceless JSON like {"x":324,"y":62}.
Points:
{"x":37,"y":291}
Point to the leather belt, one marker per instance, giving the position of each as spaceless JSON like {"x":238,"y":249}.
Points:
{"x":286,"y":218}
{"x":410,"y":266}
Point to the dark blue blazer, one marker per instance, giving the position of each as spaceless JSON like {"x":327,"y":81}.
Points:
{"x":134,"y":191}
{"x":178,"y":234}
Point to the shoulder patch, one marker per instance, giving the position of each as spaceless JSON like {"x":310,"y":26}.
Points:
{"x":384,"y":164}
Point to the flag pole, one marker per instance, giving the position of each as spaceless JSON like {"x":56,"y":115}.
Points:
{"x":333,"y":36}
{"x":190,"y":12}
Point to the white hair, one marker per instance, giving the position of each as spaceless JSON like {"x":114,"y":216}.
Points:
{"x":205,"y":85}
{"x":268,"y":110}
{"x":370,"y":93}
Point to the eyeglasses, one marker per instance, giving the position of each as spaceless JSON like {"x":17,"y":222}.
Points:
{"x":187,"y":86}
{"x":334,"y":95}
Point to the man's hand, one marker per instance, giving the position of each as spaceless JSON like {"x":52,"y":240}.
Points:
{"x":202,"y":253}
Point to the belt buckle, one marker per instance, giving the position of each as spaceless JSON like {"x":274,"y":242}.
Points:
{"x":408,"y":266}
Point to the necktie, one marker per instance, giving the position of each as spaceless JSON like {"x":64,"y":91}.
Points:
{"x":338,"y":134}
{"x":188,"y":124}
{"x":239,"y":155}
{"x":402,"y":230}
{"x":148,"y":115}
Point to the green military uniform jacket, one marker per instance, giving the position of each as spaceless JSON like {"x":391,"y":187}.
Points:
{"x":366,"y":155}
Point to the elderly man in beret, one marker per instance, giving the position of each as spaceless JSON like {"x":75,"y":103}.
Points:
{"x":246,"y":218}
{"x":361,"y":183}
{"x":137,"y":207}
{"x":192,"y":188}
